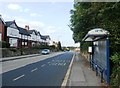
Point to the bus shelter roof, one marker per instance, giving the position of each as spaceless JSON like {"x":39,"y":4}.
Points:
{"x":95,"y":34}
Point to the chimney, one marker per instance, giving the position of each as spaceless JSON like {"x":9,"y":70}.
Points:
{"x":27,"y":27}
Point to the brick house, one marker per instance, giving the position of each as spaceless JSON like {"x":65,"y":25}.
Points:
{"x":12,"y":33}
{"x":38,"y":38}
{"x":45,"y":39}
{"x":23,"y":40}
{"x":19,"y":37}
{"x":32,"y":37}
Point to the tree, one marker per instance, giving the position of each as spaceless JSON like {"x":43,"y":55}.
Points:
{"x":59,"y":46}
{"x":86,"y":16}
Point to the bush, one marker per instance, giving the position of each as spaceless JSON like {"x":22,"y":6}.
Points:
{"x":13,"y":49}
{"x":115,"y":76}
{"x":4,"y":44}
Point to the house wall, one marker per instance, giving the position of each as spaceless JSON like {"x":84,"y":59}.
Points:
{"x":29,"y":43}
{"x":0,"y":36}
{"x":33,"y":37}
{"x":24,"y":41}
{"x":13,"y":36}
{"x":47,"y":41}
{"x":12,"y":32}
{"x":2,"y":31}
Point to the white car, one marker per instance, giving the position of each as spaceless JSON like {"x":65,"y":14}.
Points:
{"x":45,"y":51}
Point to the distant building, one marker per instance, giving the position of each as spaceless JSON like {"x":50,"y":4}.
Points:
{"x":45,"y":39}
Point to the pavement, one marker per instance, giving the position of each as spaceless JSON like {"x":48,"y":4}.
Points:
{"x":18,"y":57}
{"x":81,"y":74}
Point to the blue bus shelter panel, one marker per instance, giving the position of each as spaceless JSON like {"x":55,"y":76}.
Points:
{"x":99,"y":56}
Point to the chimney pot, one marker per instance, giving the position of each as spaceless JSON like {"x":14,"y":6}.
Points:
{"x":27,"y":27}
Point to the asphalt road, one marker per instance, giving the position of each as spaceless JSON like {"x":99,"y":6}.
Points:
{"x":14,"y":64}
{"x":48,"y":72}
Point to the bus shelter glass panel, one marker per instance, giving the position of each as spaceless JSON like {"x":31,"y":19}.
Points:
{"x":99,"y":56}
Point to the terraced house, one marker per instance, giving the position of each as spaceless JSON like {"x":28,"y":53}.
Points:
{"x":13,"y":35}
{"x":19,"y":37}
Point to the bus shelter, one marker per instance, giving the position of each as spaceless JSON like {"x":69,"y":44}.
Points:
{"x":99,"y":52}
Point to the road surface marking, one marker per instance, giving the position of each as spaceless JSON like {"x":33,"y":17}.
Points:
{"x":18,"y":77}
{"x":55,"y":63}
{"x":64,"y":64}
{"x":61,"y":64}
{"x":63,"y":60}
{"x":58,"y":64}
{"x":48,"y":62}
{"x":58,"y":60}
{"x":43,"y":65}
{"x":34,"y":69}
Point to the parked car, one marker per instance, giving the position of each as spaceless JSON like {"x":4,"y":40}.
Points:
{"x":45,"y":51}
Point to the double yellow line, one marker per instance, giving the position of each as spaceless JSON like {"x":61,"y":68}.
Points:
{"x":65,"y":81}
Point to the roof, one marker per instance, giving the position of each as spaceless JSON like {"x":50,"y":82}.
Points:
{"x":8,"y":23}
{"x":95,"y":34}
{"x":31,"y":31}
{"x":36,"y":32}
{"x":44,"y":37}
{"x":39,"y":33}
{"x":2,"y":19}
{"x":23,"y":31}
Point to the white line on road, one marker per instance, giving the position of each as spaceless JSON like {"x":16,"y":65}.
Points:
{"x":18,"y":77}
{"x":48,"y":62}
{"x":43,"y":65}
{"x":34,"y":69}
{"x":64,"y":63}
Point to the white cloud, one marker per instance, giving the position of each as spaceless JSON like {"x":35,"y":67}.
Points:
{"x":26,"y":10}
{"x":35,"y":15}
{"x":14,"y":7}
{"x":17,"y":8}
{"x":50,"y":30}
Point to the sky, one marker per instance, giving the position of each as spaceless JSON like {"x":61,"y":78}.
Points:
{"x":50,"y":18}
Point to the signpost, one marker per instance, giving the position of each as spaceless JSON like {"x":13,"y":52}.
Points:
{"x":108,"y":60}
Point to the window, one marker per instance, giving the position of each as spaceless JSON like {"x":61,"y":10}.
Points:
{"x":13,"y":42}
{"x":25,"y":43}
{"x":22,"y":43}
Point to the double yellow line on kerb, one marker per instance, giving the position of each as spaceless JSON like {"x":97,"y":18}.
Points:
{"x":65,"y":81}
